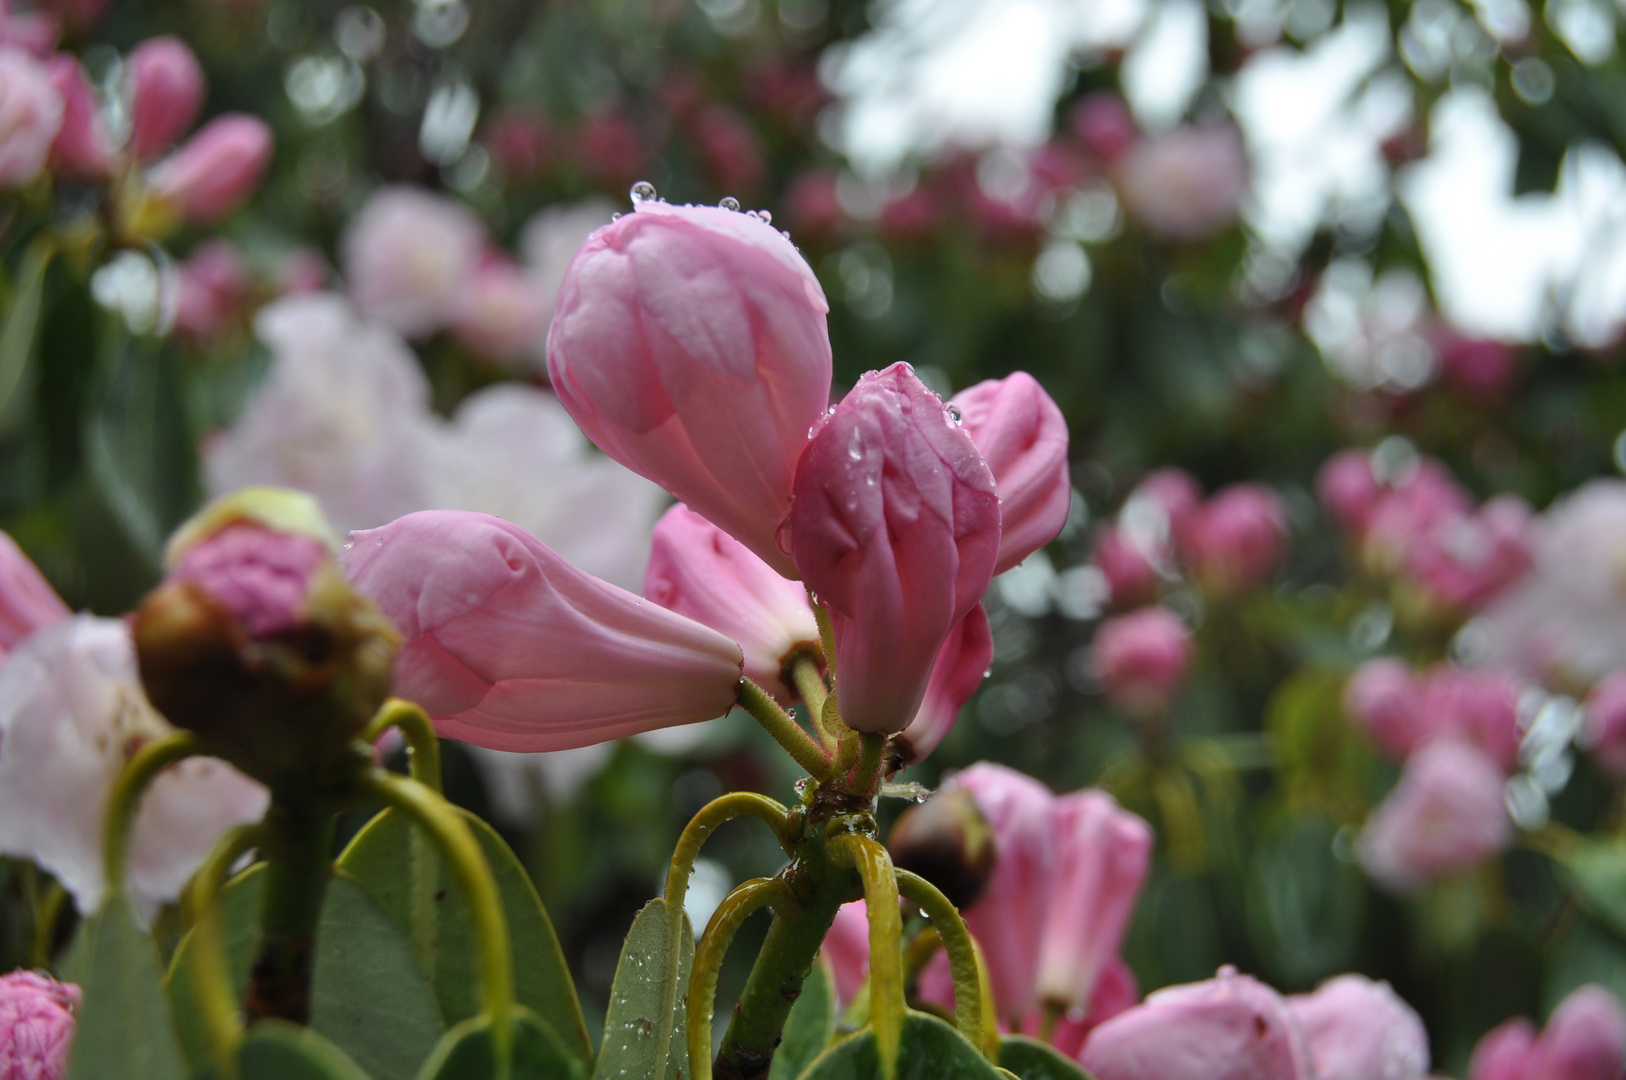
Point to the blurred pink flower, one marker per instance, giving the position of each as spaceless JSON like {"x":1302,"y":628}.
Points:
{"x":815,"y":211}
{"x":501,"y":314}
{"x":1604,"y":732}
{"x":1465,"y":561}
{"x":1173,"y":494}
{"x":27,"y":601}
{"x":1238,"y":537}
{"x":1358,"y":1029}
{"x":215,"y":289}
{"x":1131,"y":572}
{"x":165,"y":87}
{"x":1115,"y":992}
{"x":30,"y":116}
{"x":1186,"y":185}
{"x":1479,"y":368}
{"x":1480,"y":705}
{"x":1021,"y":434}
{"x":729,"y":149}
{"x":1505,"y":1053}
{"x":216,"y":170}
{"x":846,"y":947}
{"x":1446,"y":815}
{"x":259,"y":575}
{"x":1102,"y":123}
{"x":34,"y":32}
{"x":549,"y":243}
{"x":1140,"y":659}
{"x":82,"y":148}
{"x":611,"y":149}
{"x":960,"y":668}
{"x":1384,"y":699}
{"x":1585,"y":1039}
{"x":1349,"y":491}
{"x":37,"y":1025}
{"x":1408,"y":509}
{"x":407,"y":257}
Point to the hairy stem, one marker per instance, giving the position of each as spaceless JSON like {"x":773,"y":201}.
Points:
{"x":783,"y":727}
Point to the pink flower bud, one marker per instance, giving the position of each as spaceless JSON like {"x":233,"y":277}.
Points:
{"x":1348,"y":490}
{"x":1177,"y":495}
{"x":1505,"y":1053}
{"x":1231,"y":1027}
{"x":1605,"y":729}
{"x":82,"y":148}
{"x":34,"y":32}
{"x":699,"y":571}
{"x":1466,"y":561}
{"x":1239,"y":537}
{"x":961,"y":666}
{"x":1412,"y":507}
{"x":510,"y":647}
{"x":216,"y":170}
{"x":1478,"y":368}
{"x":1358,"y":1029}
{"x":409,"y":255}
{"x":1022,"y":435}
{"x":1585,"y":1038}
{"x":690,"y":344}
{"x":27,"y":601}
{"x":261,"y":576}
{"x":1128,"y":566}
{"x":846,"y":947}
{"x":502,"y":313}
{"x":1446,"y":815}
{"x":1385,"y":701}
{"x":1481,"y":706}
{"x":1101,"y":121}
{"x":30,"y":117}
{"x":166,"y":89}
{"x":895,"y":527}
{"x":1102,"y":852}
{"x":1140,"y":659}
{"x":215,"y":290}
{"x":36,"y":1026}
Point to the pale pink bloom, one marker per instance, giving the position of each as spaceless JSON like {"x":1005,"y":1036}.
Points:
{"x":1239,"y":537}
{"x":30,"y":117}
{"x":261,"y":576}
{"x":1231,"y":1027}
{"x":1506,"y":1052}
{"x":1186,"y":185}
{"x":165,"y":87}
{"x":1130,"y":569}
{"x":500,"y":314}
{"x":961,"y":666}
{"x":698,"y":570}
{"x":82,"y":147}
{"x":846,"y":947}
{"x":27,"y":601}
{"x":1446,"y":815}
{"x":1585,"y":1039}
{"x":690,"y":345}
{"x":1384,"y":699}
{"x":302,"y":270}
{"x":1101,"y":121}
{"x":216,"y":170}
{"x":895,"y":527}
{"x":1358,"y":1029}
{"x":71,"y":714}
{"x":1605,"y":728}
{"x":37,"y":1024}
{"x":1021,"y":434}
{"x":1173,"y":494}
{"x":1409,"y":509}
{"x":1480,"y":705}
{"x":1102,"y":854}
{"x":215,"y":288}
{"x":1464,"y":562}
{"x":1140,"y":659}
{"x":1348,"y":490}
{"x":510,"y":647}
{"x":407,"y":256}
{"x":1115,"y":992}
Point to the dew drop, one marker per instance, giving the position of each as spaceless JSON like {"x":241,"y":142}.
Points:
{"x":767,"y":218}
{"x":855,"y":446}
{"x":643,"y":191}
{"x":785,"y":233}
{"x":753,"y":215}
{"x":616,"y":216}
{"x":729,"y":202}
{"x":954,"y":414}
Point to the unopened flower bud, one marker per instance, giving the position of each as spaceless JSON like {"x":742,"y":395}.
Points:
{"x":216,"y":170}
{"x":1348,"y":490}
{"x":166,"y":88}
{"x":1384,"y":700}
{"x":1239,"y":537}
{"x":81,"y":148}
{"x":36,"y":1026}
{"x":1141,"y":658}
{"x":947,"y":841}
{"x":1585,"y":1038}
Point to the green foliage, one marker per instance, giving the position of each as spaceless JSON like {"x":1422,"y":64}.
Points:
{"x":1595,"y":871}
{"x":125,"y":1027}
{"x":1031,"y":1059}
{"x":276,"y":1050}
{"x":810,"y":1026}
{"x":467,"y":1052}
{"x":644,"y":1028}
{"x":931,"y":1050}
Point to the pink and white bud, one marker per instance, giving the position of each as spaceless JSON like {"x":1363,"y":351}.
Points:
{"x":1384,"y":700}
{"x":1187,"y":185}
{"x":1506,"y":1052}
{"x":1349,"y":491}
{"x":699,"y":571}
{"x":408,"y":256}
{"x":1022,"y":435}
{"x":216,"y":170}
{"x":846,"y":947}
{"x":166,"y":87}
{"x":1239,"y":537}
{"x":82,"y":147}
{"x":1130,"y":569}
{"x":1231,"y":1027}
{"x":501,"y":314}
{"x":37,"y":1023}
{"x":1604,"y":732}
{"x":1102,"y":854}
{"x":1585,"y":1038}
{"x":1465,"y":562}
{"x":1358,"y":1029}
{"x":1140,"y":659}
{"x":960,"y":668}
{"x":1445,"y":816}
{"x":895,"y":527}
{"x":215,"y":289}
{"x":30,"y":117}
{"x":27,"y":601}
{"x":510,"y":647}
{"x":1175,"y":494}
{"x":690,"y":345}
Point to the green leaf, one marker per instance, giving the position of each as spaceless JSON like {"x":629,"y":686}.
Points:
{"x":1595,"y":871}
{"x":1031,"y":1059}
{"x":931,"y":1050}
{"x":810,"y":1026}
{"x":644,"y":1029}
{"x":19,"y":330}
{"x":467,"y":1053}
{"x":1305,"y":906}
{"x":125,"y":1028}
{"x":277,"y":1050}
{"x":385,"y":856}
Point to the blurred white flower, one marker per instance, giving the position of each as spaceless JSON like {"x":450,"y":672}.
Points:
{"x":407,"y":256}
{"x":502,"y":314}
{"x":71,"y":715}
{"x":1188,"y":184}
{"x":519,"y":784}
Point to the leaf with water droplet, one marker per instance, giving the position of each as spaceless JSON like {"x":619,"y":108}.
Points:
{"x":644,"y":1031}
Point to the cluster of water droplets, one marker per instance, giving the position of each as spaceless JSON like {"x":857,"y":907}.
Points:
{"x":643,"y":191}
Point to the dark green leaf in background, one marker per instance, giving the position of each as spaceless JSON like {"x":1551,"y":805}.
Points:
{"x":810,"y":1026}
{"x":125,"y":1029}
{"x":644,"y":1029}
{"x":275,"y":1050}
{"x":1030,"y":1059}
{"x":467,"y":1053}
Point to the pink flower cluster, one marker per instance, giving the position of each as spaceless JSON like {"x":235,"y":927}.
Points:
{"x":1585,"y":1039}
{"x":37,"y":1025}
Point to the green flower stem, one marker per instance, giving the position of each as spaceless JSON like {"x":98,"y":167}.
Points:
{"x":827,"y":633}
{"x":708,"y":959}
{"x":140,"y":771}
{"x":809,"y":682}
{"x":715,"y":813}
{"x":867,"y":773}
{"x":962,"y":952}
{"x":423,"y":747}
{"x":211,"y":975}
{"x":298,"y":851}
{"x":887,"y":1008}
{"x":468,"y":864}
{"x":47,"y":912}
{"x":783,"y":727}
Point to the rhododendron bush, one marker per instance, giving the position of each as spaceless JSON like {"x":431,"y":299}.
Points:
{"x":812,"y":540}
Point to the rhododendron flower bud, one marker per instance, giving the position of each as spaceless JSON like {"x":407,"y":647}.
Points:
{"x":1170,"y":496}
{"x":1022,"y":435}
{"x":1446,"y":815}
{"x":1231,"y":1027}
{"x":34,"y":32}
{"x":1102,"y":852}
{"x":215,"y":289}
{"x":36,"y":1026}
{"x":510,"y":647}
{"x":961,"y":666}
{"x":1349,"y":490}
{"x":1140,"y":659}
{"x":502,"y":314}
{"x":1585,"y":1038}
{"x":1605,"y":730}
{"x":81,"y":148}
{"x":1101,"y":121}
{"x":1132,"y":576}
{"x":1385,"y":700}
{"x":30,"y":116}
{"x":27,"y":601}
{"x":1506,"y":1052}
{"x":216,"y":170}
{"x":896,"y":529}
{"x":1238,"y":538}
{"x":408,"y":257}
{"x":698,"y":570}
{"x":1358,"y":1029}
{"x":1411,"y":508}
{"x":1463,"y":562}
{"x":947,"y":841}
{"x":166,"y":89}
{"x":846,"y":947}
{"x":690,"y":344}
{"x":1481,"y":706}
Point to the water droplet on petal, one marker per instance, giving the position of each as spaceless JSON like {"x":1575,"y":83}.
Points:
{"x":643,"y":191}
{"x":855,"y":446}
{"x":954,"y":414}
{"x":753,"y":215}
{"x":767,"y":218}
{"x":616,"y":216}
{"x":729,"y":202}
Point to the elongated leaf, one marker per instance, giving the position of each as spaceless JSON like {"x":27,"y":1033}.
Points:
{"x":1030,"y":1059}
{"x":467,"y":1053}
{"x":385,"y":856}
{"x":930,"y":1050}
{"x":274,"y":1050}
{"x":810,"y":1026}
{"x":18,"y":331}
{"x":644,"y":1029}
{"x":1596,"y":873}
{"x":125,"y":1027}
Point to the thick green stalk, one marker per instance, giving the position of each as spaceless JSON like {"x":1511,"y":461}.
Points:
{"x":886,"y":1006}
{"x":298,"y":851}
{"x":783,"y":727}
{"x":708,"y":959}
{"x":957,"y":942}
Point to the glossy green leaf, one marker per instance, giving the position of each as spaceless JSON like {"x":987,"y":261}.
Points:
{"x":644,"y":1029}
{"x":931,"y":1050}
{"x":1030,"y":1059}
{"x":467,"y":1053}
{"x":1595,"y":871}
{"x":125,"y":1026}
{"x":18,"y":332}
{"x":275,"y":1050}
{"x":810,"y":1026}
{"x":386,"y":855}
